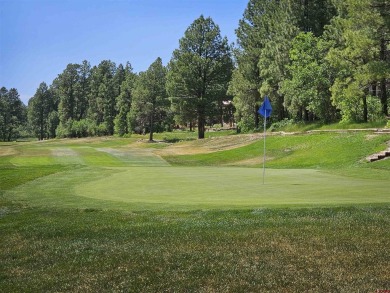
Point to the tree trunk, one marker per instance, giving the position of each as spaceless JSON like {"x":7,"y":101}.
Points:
{"x":151,"y":128}
{"x":10,"y":133}
{"x":306,"y":115}
{"x":281,"y":108}
{"x":365,"y":110}
{"x":221,"y":112}
{"x":257,"y":98}
{"x":385,"y":109}
{"x":383,"y":80}
{"x":201,"y":122}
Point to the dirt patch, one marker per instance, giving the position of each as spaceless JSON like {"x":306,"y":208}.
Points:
{"x":249,"y":162}
{"x":7,"y":151}
{"x":64,"y":152}
{"x":370,"y":136}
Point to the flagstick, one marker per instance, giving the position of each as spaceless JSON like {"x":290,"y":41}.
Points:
{"x":265,"y":120}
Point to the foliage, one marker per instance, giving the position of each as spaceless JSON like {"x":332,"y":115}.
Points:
{"x":264,"y":35}
{"x":150,"y":102}
{"x":356,"y":55}
{"x":124,"y":101}
{"x":317,"y":60}
{"x":12,"y":114}
{"x":200,"y":70}
{"x":306,"y":92}
{"x":283,"y":124}
{"x":40,"y":107}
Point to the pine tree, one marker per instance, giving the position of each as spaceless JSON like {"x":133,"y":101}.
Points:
{"x":39,"y":108}
{"x":199,"y":68}
{"x":357,"y":54}
{"x":12,"y":113}
{"x":123,"y":102}
{"x":150,"y":102}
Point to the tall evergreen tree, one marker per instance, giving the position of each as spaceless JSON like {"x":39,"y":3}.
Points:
{"x":306,"y":91}
{"x":198,"y":68}
{"x":274,"y":57}
{"x":264,"y":36}
{"x":82,"y":91}
{"x":123,"y":102}
{"x":102,"y":97}
{"x":150,"y":103}
{"x":246,"y":80}
{"x":39,"y":108}
{"x":12,"y":113}
{"x":68,"y":86}
{"x":357,"y":33}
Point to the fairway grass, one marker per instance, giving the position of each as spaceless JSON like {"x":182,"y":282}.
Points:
{"x":324,"y":169}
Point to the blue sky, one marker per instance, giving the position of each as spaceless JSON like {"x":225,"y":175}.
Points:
{"x":38,"y":38}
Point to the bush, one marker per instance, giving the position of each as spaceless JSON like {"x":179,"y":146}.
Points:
{"x":82,"y":128}
{"x":282,"y":124}
{"x":79,"y":128}
{"x":64,"y":130}
{"x":102,"y":129}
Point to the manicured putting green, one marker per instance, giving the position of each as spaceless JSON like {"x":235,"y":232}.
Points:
{"x":188,"y":188}
{"x":232,"y":187}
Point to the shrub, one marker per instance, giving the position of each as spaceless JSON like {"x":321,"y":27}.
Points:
{"x":102,"y":129}
{"x":282,"y":124}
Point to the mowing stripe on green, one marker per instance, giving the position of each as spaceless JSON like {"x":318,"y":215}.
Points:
{"x":67,"y":156}
{"x":135,"y":157}
{"x":183,"y":188}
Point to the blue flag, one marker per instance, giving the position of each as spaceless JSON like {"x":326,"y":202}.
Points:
{"x":266,"y":108}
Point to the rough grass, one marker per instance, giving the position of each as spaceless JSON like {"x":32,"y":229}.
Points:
{"x":267,"y":250}
{"x":314,"y":150}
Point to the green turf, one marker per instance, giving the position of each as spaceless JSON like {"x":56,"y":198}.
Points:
{"x":318,"y":150}
{"x":258,"y":250}
{"x":108,"y":215}
{"x":319,"y":169}
{"x":185,"y":188}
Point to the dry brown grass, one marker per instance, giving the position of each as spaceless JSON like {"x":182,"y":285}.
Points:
{"x":210,"y":145}
{"x":7,"y":151}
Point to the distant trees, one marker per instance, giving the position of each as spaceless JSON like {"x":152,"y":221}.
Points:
{"x":92,"y":100}
{"x":306,"y":90}
{"x":12,"y":114}
{"x":360,"y":54}
{"x":265,"y":35}
{"x":317,"y":60}
{"x":150,"y":105}
{"x":124,"y":101}
{"x":40,"y":108}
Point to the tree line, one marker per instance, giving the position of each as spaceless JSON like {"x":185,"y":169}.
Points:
{"x":317,"y":60}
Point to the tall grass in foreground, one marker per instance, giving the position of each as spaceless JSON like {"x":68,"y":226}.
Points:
{"x":268,"y":250}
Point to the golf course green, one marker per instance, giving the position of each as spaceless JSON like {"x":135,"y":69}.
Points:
{"x":126,"y":215}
